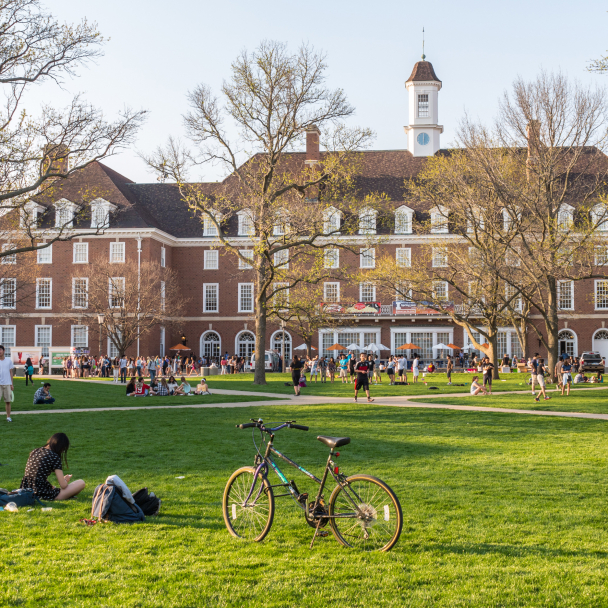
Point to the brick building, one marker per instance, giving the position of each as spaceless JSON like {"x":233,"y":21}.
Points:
{"x":152,"y":223}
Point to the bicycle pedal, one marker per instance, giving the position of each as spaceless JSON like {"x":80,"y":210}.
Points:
{"x":322,"y":533}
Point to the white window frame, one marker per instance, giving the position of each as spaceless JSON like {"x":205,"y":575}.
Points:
{"x":9,"y":259}
{"x":208,"y":259}
{"x":163,"y":257}
{"x":561,"y":292}
{"x":4,"y":341}
{"x":439,"y":220}
{"x":39,"y":252}
{"x":29,"y":215}
{"x":114,"y":282}
{"x":440,"y":257}
{"x":599,"y":213}
{"x":99,"y":204}
{"x":445,"y":284}
{"x":404,"y":220}
{"x":67,"y":208}
{"x":596,"y":284}
{"x":36,"y":339}
{"x":403,"y":257}
{"x":75,"y":255}
{"x":248,"y":253}
{"x":209,"y":228}
{"x":601,"y":259}
{"x":13,"y":291}
{"x":364,"y":285}
{"x":246,"y":223}
{"x":331,"y":285}
{"x":565,"y":218}
{"x":517,"y":303}
{"x":86,"y":283}
{"x":163,"y":296}
{"x":423,"y":107}
{"x":162,"y":342}
{"x":405,"y":293}
{"x":367,"y":257}
{"x":281,"y":263}
{"x":368,"y":221}
{"x":86,"y":333}
{"x":241,"y":288}
{"x":282,"y":295}
{"x":114,"y":248}
{"x":331,"y":257}
{"x":332,"y":220}
{"x":38,"y":283}
{"x":217,"y":297}
{"x":282,"y":226}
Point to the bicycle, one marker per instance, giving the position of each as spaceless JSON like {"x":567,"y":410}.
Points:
{"x":363,"y":512}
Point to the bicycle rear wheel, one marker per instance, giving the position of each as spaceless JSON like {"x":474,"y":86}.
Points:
{"x":370,"y":514}
{"x":252,"y":522}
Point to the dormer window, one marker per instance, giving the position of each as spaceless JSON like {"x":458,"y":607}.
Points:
{"x":281,"y":226}
{"x":367,"y":221}
{"x":475,"y":221}
{"x":599,"y":215}
{"x":565,"y":218}
{"x":403,"y":220}
{"x":423,"y":105}
{"x":209,"y":228}
{"x":246,"y":227}
{"x":30,"y":214}
{"x":100,"y":213}
{"x":332,"y":219}
{"x":64,"y":214}
{"x":439,"y":220}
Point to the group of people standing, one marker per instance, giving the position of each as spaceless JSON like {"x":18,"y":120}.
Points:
{"x":232,"y":365}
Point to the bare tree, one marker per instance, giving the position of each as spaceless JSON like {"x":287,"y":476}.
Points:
{"x":288,"y":207}
{"x":39,"y":150}
{"x":128,"y":301}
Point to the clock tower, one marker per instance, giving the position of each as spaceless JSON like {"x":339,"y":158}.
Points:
{"x":423,"y":131}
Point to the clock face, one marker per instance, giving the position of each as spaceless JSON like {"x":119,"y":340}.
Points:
{"x":423,"y":139}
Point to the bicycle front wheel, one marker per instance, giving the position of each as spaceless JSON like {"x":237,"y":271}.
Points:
{"x":367,"y":514}
{"x":253,"y":520}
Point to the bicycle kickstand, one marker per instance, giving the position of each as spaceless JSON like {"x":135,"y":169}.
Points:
{"x":312,"y":542}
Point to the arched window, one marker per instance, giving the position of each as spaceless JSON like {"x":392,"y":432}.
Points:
{"x":245,"y":344}
{"x":277,"y":344}
{"x":602,"y":334}
{"x":599,"y":215}
{"x":403,"y":220}
{"x":367,"y":221}
{"x":565,"y":217}
{"x":600,"y":342}
{"x":211,"y":345}
{"x":566,"y":340}
{"x":246,"y":227}
{"x":439,"y":220}
{"x":332,"y":218}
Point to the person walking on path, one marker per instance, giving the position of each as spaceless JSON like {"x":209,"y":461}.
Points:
{"x":450,"y":368}
{"x":7,"y":371}
{"x":540,"y":378}
{"x":566,"y":375}
{"x":29,"y":371}
{"x":558,"y":372}
{"x":416,"y":368}
{"x":534,"y":372}
{"x":362,"y":380}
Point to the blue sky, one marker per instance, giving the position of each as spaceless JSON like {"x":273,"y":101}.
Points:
{"x":159,"y":50}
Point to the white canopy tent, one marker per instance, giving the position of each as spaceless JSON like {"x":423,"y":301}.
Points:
{"x":353,"y":346}
{"x":303,"y":347}
{"x":441,"y":346}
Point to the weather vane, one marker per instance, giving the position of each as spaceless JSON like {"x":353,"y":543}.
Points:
{"x":423,"y":55}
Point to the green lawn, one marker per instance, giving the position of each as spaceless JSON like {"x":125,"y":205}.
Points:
{"x":75,"y":394}
{"x":595,"y":402}
{"x":499,"y":510}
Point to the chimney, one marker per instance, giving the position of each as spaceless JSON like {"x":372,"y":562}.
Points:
{"x":312,"y":145}
{"x":57,"y":157}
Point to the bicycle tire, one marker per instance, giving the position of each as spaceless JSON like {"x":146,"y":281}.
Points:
{"x":376,"y":499}
{"x":254,"y":522}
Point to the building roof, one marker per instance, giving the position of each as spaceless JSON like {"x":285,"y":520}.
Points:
{"x":423,"y":72}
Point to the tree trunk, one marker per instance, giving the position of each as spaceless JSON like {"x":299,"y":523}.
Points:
{"x":259,"y":376}
{"x":492,"y":341}
{"x":308,"y":349}
{"x":551,"y":325}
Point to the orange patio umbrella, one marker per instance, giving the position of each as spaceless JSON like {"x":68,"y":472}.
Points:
{"x":336,"y":346}
{"x":453,"y":346}
{"x":180,"y":347}
{"x":406,"y":346}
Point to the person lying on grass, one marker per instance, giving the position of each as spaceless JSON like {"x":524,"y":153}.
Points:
{"x":42,"y":462}
{"x":43,"y":396}
{"x":183,"y":389}
{"x":202,"y":388}
{"x":476,"y":388}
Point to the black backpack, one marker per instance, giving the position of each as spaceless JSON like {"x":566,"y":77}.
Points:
{"x":21,"y":497}
{"x":149,"y":503}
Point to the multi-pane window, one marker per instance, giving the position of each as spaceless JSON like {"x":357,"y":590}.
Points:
{"x":327,"y":340}
{"x":331,"y":258}
{"x":440,"y":257}
{"x":331,"y":292}
{"x":423,"y":105}
{"x":565,"y":295}
{"x":367,"y":221}
{"x":516,"y":302}
{"x":43,"y":338}
{"x":113,"y":351}
{"x":507,"y":221}
{"x":280,"y":228}
{"x":211,"y":297}
{"x":439,"y":222}
{"x":367,"y":292}
{"x":117,"y":252}
{"x":600,"y":217}
{"x":281,"y":295}
{"x":211,"y":259}
{"x":8,"y":293}
{"x":404,"y":257}
{"x":7,"y":338}
{"x":10,"y":258}
{"x":162,"y":342}
{"x":81,"y":253}
{"x":44,"y":293}
{"x":475,"y":256}
{"x":245,"y":297}
{"x":331,"y":221}
{"x":440,"y":290}
{"x":246,"y":227}
{"x":209,"y":228}
{"x":64,"y":215}
{"x":245,"y":253}
{"x":424,"y":340}
{"x":80,"y":336}
{"x":163,"y":257}
{"x":80,"y":293}
{"x":403,"y":221}
{"x":100,"y":216}
{"x":281,"y":259}
{"x":45,"y":256}
{"x":601,"y":295}
{"x":367,"y":258}
{"x":403,"y":291}
{"x":512,"y":257}
{"x":601,"y":255}
{"x":565,"y":219}
{"x":163,"y":295}
{"x":116,"y":291}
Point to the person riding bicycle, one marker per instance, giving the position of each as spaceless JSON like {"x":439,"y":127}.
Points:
{"x":362,"y":380}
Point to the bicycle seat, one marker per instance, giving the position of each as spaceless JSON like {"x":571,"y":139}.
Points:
{"x":333,"y":442}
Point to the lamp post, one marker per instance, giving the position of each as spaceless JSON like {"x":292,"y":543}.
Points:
{"x":100,"y":321}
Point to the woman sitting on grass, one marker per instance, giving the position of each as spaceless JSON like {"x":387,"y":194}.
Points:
{"x":202,"y":388}
{"x":476,"y":388}
{"x":172,"y":385}
{"x":183,"y":389}
{"x":131,"y":388}
{"x":162,"y":390}
{"x":42,"y":462}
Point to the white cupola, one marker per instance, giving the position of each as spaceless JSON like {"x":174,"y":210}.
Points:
{"x":423,"y":130}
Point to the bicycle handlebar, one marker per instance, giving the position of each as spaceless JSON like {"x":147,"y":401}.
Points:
{"x":246,"y":425}
{"x":260,"y":425}
{"x":298,"y":426}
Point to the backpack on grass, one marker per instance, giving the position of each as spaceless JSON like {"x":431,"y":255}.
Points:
{"x":109,"y":505}
{"x":148,"y":502}
{"x":21,"y":497}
